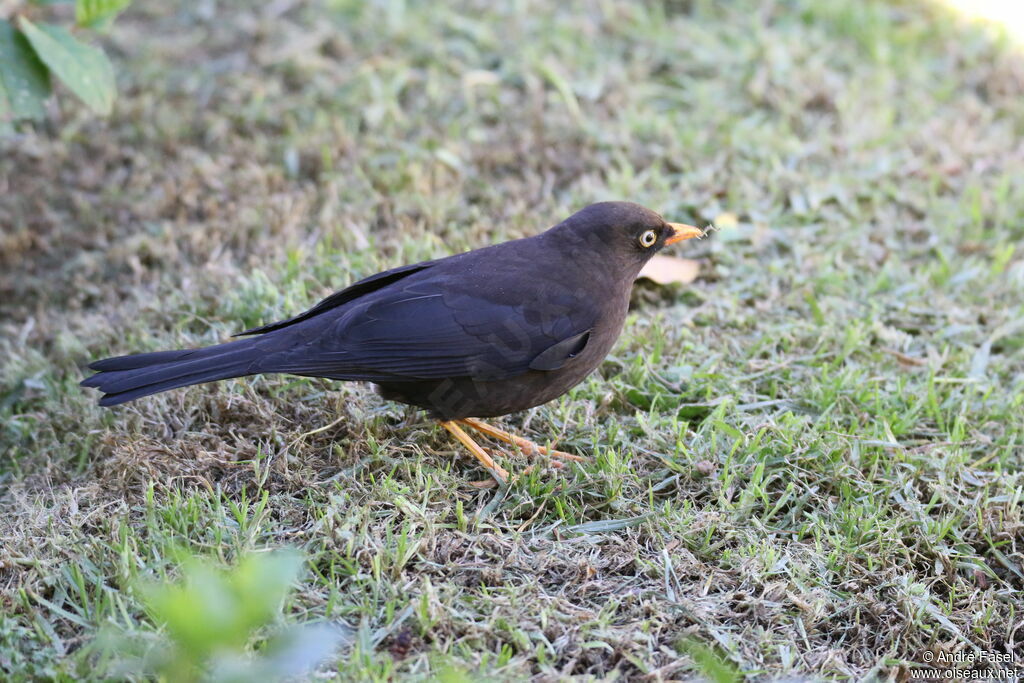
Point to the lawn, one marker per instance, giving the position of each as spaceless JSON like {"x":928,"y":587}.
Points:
{"x":807,"y":463}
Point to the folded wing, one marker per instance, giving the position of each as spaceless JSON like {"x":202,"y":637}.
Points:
{"x":422,"y":330}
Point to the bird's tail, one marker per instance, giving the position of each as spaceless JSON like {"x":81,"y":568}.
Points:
{"x":126,"y":378}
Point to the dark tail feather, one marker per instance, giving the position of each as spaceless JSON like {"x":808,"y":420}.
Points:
{"x":126,"y":378}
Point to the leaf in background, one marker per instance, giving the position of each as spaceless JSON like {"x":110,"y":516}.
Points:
{"x":24,"y":81}
{"x":98,"y":13}
{"x":84,"y":69}
{"x":668,"y":269}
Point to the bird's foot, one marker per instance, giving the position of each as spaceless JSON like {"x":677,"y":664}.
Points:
{"x":525,"y":445}
{"x":500,"y":475}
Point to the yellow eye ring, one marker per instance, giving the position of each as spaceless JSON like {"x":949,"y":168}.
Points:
{"x":648,"y":239}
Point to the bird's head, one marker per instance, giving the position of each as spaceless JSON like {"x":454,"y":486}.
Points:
{"x":619,"y":233}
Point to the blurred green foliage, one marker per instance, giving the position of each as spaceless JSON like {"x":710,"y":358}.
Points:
{"x":209,"y":620}
{"x":33,"y":52}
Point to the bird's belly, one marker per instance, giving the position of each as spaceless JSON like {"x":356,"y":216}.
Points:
{"x":458,"y":397}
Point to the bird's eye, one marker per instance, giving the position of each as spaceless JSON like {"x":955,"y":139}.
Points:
{"x":648,"y":239}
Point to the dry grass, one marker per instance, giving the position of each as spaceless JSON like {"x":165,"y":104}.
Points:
{"x":809,"y":460}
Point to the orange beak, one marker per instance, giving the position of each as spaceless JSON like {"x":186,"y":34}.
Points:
{"x":682,"y":232}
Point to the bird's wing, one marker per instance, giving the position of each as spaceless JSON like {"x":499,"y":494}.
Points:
{"x":427,"y":331}
{"x":350,"y":293}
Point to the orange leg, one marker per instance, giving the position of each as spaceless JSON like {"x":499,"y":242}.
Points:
{"x":479,"y":453}
{"x":527,"y":446}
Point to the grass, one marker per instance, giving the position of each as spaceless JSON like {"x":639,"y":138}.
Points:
{"x":806,"y":464}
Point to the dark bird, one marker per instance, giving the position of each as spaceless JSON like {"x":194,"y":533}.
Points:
{"x":479,"y":334}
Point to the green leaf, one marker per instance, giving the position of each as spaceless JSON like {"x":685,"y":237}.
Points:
{"x":710,"y":663}
{"x":84,"y":69}
{"x":215,"y":609}
{"x":24,"y":80}
{"x":94,"y":13}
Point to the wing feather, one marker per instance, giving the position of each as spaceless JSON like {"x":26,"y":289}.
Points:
{"x":419,"y":332}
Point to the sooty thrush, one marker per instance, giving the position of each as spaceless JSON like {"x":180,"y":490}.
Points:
{"x":480,"y":334}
